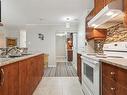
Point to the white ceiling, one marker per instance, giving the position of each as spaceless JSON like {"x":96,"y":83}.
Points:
{"x":22,"y":12}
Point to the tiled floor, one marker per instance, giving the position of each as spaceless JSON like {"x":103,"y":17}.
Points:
{"x":61,"y":70}
{"x":59,"y":86}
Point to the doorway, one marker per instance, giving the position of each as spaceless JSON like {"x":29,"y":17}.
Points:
{"x":61,"y":47}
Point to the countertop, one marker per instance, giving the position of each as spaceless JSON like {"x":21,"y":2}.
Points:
{"x":119,"y":62}
{"x":6,"y":61}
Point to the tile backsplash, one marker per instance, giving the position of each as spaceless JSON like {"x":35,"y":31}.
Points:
{"x":117,"y":33}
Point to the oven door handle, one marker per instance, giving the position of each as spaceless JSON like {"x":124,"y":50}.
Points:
{"x":90,"y":64}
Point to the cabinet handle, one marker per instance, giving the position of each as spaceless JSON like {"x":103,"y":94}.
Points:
{"x":112,"y":73}
{"x":113,"y":89}
{"x":2,"y":77}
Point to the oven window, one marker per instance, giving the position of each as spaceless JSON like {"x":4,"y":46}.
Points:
{"x":88,"y":72}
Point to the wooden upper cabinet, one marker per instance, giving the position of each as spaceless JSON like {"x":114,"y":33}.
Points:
{"x":9,"y":79}
{"x":96,"y":33}
{"x":98,"y":5}
{"x":125,"y":6}
{"x":125,"y":10}
{"x":107,"y":2}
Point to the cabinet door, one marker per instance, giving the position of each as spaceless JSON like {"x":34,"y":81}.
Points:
{"x":99,"y":33}
{"x":79,"y":67}
{"x":107,"y":2}
{"x":24,"y":79}
{"x":89,"y":33}
{"x":70,"y":55}
{"x":125,"y":5}
{"x":9,"y":80}
{"x":41,"y":66}
{"x":99,"y":5}
{"x":121,"y":90}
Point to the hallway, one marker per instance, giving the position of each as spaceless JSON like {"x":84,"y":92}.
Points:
{"x":60,"y":80}
{"x":62,"y":70}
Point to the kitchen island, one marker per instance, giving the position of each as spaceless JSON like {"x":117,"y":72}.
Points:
{"x":21,"y":75}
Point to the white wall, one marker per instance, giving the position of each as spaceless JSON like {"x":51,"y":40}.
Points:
{"x":22,"y":38}
{"x":81,"y":35}
{"x":48,"y":45}
{"x":13,"y":32}
{"x":75,"y":48}
{"x":82,"y":48}
{"x":2,"y":37}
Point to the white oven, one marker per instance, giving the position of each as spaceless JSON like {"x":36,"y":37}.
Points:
{"x":90,"y":76}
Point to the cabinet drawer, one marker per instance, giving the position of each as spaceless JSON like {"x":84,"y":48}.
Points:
{"x":122,"y":77}
{"x":105,"y":92}
{"x":108,"y":85}
{"x":121,"y":90}
{"x":109,"y":71}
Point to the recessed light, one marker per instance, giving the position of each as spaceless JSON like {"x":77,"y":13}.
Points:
{"x":68,"y":19}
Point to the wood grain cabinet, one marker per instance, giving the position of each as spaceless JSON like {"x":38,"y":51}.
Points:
{"x":70,"y":55}
{"x":21,"y":78}
{"x":96,"y":33}
{"x":9,"y":79}
{"x":113,"y":80}
{"x":125,"y":10}
{"x":125,"y":5}
{"x":107,"y":2}
{"x":30,"y":74}
{"x":98,"y":5}
{"x":79,"y":67}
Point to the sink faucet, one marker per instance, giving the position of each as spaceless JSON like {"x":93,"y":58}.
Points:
{"x":16,"y":49}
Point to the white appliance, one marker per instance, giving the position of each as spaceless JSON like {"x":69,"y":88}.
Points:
{"x":91,"y":66}
{"x":110,"y":13}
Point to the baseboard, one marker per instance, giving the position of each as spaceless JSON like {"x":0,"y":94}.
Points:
{"x":51,"y":65}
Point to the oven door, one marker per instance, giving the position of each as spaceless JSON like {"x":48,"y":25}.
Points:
{"x":90,"y":76}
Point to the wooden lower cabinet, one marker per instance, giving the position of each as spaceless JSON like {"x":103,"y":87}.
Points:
{"x":79,"y":67}
{"x":21,"y":78}
{"x":114,"y":80}
{"x":24,"y":77}
{"x":9,"y":79}
{"x":30,"y":74}
{"x":70,"y":55}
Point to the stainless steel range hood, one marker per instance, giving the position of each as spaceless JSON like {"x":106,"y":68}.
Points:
{"x":109,"y":16}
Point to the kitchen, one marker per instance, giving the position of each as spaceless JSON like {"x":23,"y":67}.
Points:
{"x":99,"y":56}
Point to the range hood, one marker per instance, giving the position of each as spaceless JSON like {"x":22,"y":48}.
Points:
{"x":109,"y":16}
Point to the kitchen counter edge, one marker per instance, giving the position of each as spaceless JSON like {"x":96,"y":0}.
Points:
{"x":13,"y":60}
{"x":119,"y":62}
